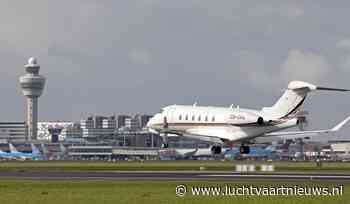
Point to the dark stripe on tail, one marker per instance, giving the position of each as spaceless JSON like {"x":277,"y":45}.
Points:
{"x":296,"y":108}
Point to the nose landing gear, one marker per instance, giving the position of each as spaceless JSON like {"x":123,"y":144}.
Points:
{"x":165,"y":137}
{"x":165,"y":145}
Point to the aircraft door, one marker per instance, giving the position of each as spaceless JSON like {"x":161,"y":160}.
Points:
{"x":169,"y":115}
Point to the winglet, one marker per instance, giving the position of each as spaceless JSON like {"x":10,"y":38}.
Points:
{"x":340,"y":125}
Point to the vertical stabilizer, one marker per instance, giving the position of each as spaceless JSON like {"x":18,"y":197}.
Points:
{"x":292,"y":99}
{"x":13,"y":148}
{"x":35,"y":150}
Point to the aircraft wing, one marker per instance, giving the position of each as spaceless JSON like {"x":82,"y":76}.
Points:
{"x":210,"y":134}
{"x":186,"y":152}
{"x":309,"y":133}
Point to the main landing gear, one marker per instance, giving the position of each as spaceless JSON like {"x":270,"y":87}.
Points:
{"x":165,"y":145}
{"x":165,"y":141}
{"x":165,"y":136}
{"x":244,"y":149}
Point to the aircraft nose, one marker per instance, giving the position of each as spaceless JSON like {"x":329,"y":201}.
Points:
{"x":150,"y":122}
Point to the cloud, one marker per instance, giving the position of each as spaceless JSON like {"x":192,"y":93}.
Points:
{"x":304,"y":65}
{"x":343,"y":54}
{"x":344,"y":44}
{"x":91,"y":49}
{"x":264,"y":72}
{"x":294,"y":12}
{"x":140,"y":57}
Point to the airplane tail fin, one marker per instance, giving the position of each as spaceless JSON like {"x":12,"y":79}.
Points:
{"x":63,"y":148}
{"x":293,"y":98}
{"x":12,"y":148}
{"x":35,"y":150}
{"x":44,"y":149}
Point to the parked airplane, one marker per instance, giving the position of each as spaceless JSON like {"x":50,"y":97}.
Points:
{"x":343,"y":157}
{"x":186,"y":153}
{"x":34,"y":155}
{"x":176,"y":153}
{"x":229,"y":124}
{"x":255,"y":153}
{"x":5,"y":155}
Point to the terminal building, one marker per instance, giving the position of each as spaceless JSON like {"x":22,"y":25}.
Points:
{"x":45,"y":127}
{"x":13,"y":132}
{"x":98,"y":126}
{"x":107,"y":152}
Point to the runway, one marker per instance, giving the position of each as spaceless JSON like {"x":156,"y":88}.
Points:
{"x":171,"y":176}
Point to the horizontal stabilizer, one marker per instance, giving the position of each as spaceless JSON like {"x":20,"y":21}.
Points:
{"x":340,"y":125}
{"x":330,"y":89}
{"x":311,"y":132}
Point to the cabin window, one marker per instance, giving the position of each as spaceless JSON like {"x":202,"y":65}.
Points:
{"x":206,"y":118}
{"x":180,"y":117}
{"x":192,"y":117}
{"x":213,"y":119}
{"x":186,"y":118}
{"x":199,"y":118}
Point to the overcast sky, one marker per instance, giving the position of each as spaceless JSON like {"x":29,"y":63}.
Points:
{"x":135,"y":56}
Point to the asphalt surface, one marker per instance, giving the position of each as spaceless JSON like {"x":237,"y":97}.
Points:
{"x":171,"y":176}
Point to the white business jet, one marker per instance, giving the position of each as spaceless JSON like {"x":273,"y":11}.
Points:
{"x":237,"y":125}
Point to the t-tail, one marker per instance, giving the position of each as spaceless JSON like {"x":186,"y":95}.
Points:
{"x":292,"y":99}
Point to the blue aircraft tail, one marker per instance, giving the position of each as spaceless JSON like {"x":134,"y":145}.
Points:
{"x":35,"y":150}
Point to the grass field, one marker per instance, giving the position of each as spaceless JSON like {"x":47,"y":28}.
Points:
{"x":144,"y":192}
{"x":296,"y":167}
{"x":113,"y":192}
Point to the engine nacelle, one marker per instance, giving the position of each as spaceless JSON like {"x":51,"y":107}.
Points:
{"x":260,"y":121}
{"x":216,"y":150}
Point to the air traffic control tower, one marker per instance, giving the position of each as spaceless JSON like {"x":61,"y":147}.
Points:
{"x":32,"y":85}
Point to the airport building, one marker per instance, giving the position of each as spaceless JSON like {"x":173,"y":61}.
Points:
{"x":137,"y":139}
{"x":143,"y":120}
{"x":98,"y":126}
{"x":72,"y":132}
{"x":121,"y":120}
{"x":90,"y":151}
{"x":32,"y":84}
{"x":13,"y":132}
{"x":44,"y":129}
{"x":132,"y":124}
{"x":342,"y":148}
{"x":104,"y":152}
